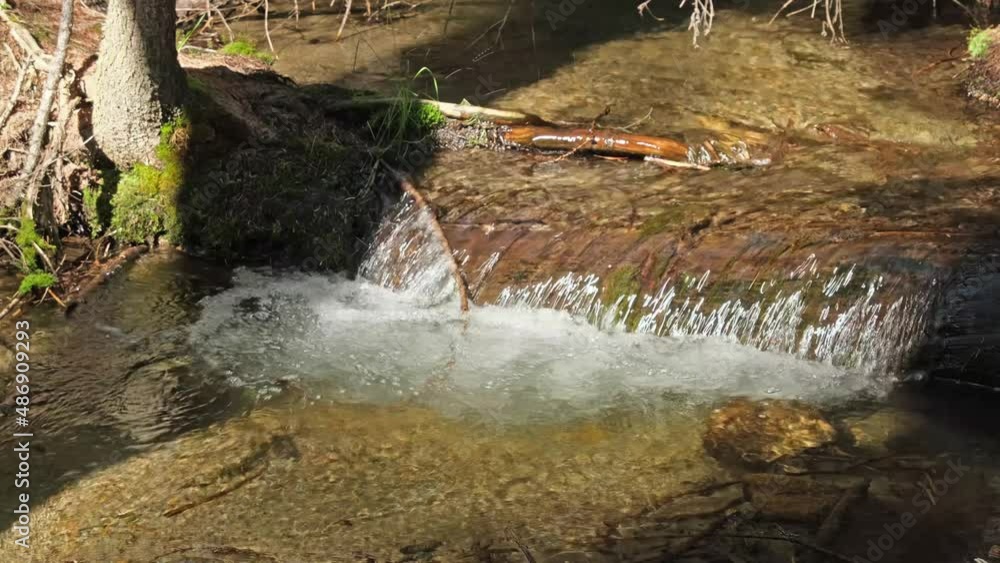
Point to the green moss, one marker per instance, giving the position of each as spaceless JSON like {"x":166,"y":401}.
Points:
{"x":622,"y":282}
{"x":144,"y":205}
{"x":36,"y":280}
{"x":618,"y":287}
{"x":662,"y":221}
{"x":97,"y":202}
{"x":197,"y":85}
{"x":245,"y":47}
{"x":301,"y":203}
{"x":27,"y":238}
{"x":979,"y":42}
{"x":428,"y":117}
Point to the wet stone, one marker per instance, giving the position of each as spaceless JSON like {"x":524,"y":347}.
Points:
{"x":700,"y":503}
{"x":875,"y":432}
{"x":796,"y":499}
{"x":758,"y":432}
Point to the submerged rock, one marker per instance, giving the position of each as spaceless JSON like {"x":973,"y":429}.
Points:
{"x":764,"y":431}
{"x":877,"y":431}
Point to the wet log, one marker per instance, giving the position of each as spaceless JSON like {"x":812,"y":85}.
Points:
{"x":596,"y":141}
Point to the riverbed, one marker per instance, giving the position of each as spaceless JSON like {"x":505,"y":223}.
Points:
{"x":190,"y":412}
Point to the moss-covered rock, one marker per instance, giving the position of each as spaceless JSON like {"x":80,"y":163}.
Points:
{"x":305,"y":203}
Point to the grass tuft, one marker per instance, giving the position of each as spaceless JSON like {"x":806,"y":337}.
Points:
{"x":36,"y":280}
{"x":26,"y":239}
{"x":979,"y":42}
{"x":245,"y":47}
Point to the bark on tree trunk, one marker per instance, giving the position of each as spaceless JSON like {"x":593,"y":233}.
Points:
{"x":139,"y":83}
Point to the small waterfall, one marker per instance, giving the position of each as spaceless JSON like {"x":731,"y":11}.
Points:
{"x":846,"y":316}
{"x":405,"y":256}
{"x":838,"y":318}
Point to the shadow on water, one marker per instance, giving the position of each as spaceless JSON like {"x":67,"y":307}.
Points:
{"x":962,"y":339}
{"x":117,"y":377}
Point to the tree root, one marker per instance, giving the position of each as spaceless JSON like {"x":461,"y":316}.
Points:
{"x":36,"y":56}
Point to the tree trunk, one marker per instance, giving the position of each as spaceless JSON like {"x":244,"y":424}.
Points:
{"x":139,"y":83}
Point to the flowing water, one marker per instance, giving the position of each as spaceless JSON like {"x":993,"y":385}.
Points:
{"x":189,"y":413}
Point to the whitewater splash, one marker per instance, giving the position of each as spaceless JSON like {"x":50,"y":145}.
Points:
{"x":842,"y":316}
{"x":353,"y":340}
{"x":543,"y":350}
{"x":816,"y":318}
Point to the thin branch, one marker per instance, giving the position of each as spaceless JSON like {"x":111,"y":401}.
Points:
{"x":40,"y":127}
{"x":343,"y":21}
{"x":22,"y":72}
{"x":267,"y":25}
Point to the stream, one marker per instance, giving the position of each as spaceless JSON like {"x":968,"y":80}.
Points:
{"x":753,"y":368}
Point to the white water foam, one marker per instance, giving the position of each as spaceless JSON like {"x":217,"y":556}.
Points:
{"x":354,"y":340}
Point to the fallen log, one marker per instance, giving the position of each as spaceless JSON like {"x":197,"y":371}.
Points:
{"x":594,"y":140}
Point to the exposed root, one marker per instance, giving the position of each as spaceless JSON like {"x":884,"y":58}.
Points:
{"x":833,"y":17}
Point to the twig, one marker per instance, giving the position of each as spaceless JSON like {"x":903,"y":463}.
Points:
{"x":343,"y":21}
{"x":22,"y":72}
{"x":525,"y":552}
{"x":450,"y":110}
{"x":267,"y":25}
{"x":104,"y":272}
{"x":40,"y":127}
{"x":644,"y":8}
{"x":48,"y":291}
{"x":585,"y":141}
{"x":45,"y":257}
{"x":834,"y":520}
{"x":209,"y":498}
{"x":232,"y":36}
{"x":14,"y":302}
{"x":666,"y":163}
{"x":789,"y":539}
